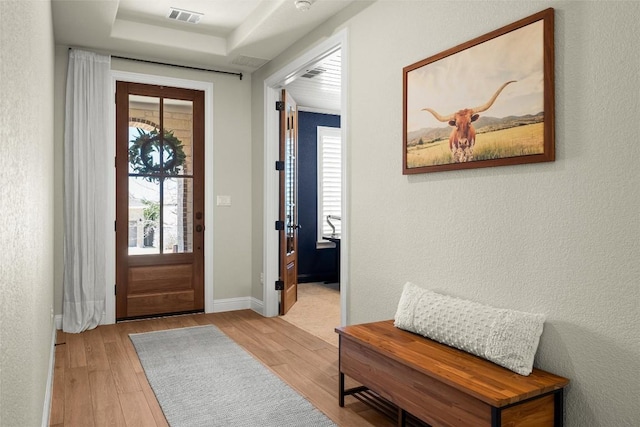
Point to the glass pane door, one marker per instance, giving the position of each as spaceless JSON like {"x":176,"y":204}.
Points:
{"x":160,"y":175}
{"x":290,"y":171}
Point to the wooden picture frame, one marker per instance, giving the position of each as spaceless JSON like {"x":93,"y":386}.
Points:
{"x":509,"y":74}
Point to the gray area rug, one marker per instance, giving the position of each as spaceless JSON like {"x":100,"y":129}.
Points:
{"x":202,"y":378}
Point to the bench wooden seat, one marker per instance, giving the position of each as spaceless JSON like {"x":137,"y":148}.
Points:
{"x":441,"y":385}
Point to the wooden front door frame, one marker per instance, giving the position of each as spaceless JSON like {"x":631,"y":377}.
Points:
{"x":170,"y":280}
{"x":207,"y":87}
{"x":272,"y":87}
{"x":288,"y":212}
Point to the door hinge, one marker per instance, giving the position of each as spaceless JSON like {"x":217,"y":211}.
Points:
{"x":279,"y":225}
{"x":280,"y":105}
{"x":279,"y":285}
{"x":115,"y":289}
{"x":279,"y":165}
{"x":115,"y":226}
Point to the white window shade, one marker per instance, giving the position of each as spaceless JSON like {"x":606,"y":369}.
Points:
{"x":329,"y":180}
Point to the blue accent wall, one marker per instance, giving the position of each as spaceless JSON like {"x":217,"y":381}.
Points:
{"x":314,"y":265}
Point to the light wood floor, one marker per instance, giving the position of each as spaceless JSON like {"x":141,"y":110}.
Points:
{"x":98,"y":379}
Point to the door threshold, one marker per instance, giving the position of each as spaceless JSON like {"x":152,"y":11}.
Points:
{"x":159,"y":316}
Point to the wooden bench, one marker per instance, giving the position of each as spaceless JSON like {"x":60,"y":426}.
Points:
{"x":441,"y":385}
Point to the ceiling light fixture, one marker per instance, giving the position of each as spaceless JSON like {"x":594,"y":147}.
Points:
{"x":302,"y":5}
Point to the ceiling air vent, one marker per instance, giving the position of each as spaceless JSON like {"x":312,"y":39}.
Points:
{"x":184,"y":15}
{"x":312,"y":73}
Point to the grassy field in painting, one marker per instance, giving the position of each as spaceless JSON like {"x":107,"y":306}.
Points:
{"x":512,"y":142}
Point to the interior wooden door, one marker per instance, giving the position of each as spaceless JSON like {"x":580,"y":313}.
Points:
{"x":288,"y":202}
{"x":159,"y":200}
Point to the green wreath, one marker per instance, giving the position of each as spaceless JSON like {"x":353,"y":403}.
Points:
{"x":146,"y":144}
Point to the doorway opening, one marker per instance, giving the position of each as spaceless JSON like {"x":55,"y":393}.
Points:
{"x":160,"y":197}
{"x":207,"y":88}
{"x":316,"y":81}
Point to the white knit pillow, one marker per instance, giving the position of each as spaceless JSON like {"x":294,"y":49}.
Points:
{"x":508,"y":338}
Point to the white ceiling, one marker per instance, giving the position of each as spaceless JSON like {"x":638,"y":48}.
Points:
{"x":232,"y":35}
{"x":318,"y":86}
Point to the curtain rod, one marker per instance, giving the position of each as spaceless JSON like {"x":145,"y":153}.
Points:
{"x":180,"y":66}
{"x":175,"y":65}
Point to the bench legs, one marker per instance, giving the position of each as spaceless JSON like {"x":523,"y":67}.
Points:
{"x":341,"y":390}
{"x":402,"y":417}
{"x":558,"y":415}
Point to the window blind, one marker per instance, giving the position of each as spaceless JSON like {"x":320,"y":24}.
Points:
{"x":329,"y":179}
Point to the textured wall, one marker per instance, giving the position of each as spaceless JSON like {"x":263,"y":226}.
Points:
{"x":558,"y":238}
{"x":26,"y":209}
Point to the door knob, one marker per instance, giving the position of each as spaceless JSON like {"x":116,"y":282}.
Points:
{"x":199,"y":228}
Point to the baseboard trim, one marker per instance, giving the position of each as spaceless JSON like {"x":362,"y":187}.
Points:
{"x":240,"y":303}
{"x":48,"y":395}
{"x":257,"y":306}
{"x":231,"y":304}
{"x":58,"y":322}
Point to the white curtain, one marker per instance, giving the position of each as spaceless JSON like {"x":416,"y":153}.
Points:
{"x":86,"y":136}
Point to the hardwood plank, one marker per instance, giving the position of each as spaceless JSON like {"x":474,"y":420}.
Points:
{"x":303,"y":338}
{"x":56,"y":415}
{"x":136,"y":410}
{"x":76,"y":356}
{"x":261,"y":349}
{"x":106,"y":404}
{"x":78,"y":409}
{"x":202,"y":319}
{"x":109,"y":332}
{"x":179,"y":321}
{"x":329,"y":354}
{"x":124,"y":374}
{"x":306,"y":355}
{"x":129,"y":349}
{"x":154,"y":406}
{"x":95,"y":353}
{"x":155,"y":324}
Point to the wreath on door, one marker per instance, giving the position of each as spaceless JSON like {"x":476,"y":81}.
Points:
{"x":146,"y":150}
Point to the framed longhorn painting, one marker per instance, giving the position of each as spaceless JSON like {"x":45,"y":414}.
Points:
{"x":487,"y":102}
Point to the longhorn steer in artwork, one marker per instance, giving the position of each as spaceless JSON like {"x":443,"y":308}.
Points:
{"x":463,"y":136}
